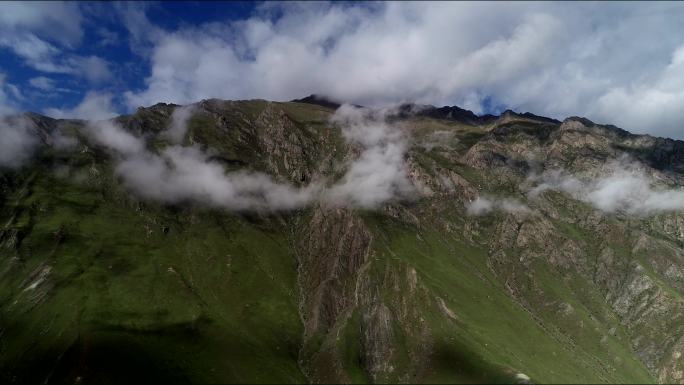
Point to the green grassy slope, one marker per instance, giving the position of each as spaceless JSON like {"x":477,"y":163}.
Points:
{"x":97,"y":284}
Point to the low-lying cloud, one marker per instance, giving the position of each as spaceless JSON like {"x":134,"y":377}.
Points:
{"x":483,"y":205}
{"x":439,"y":138}
{"x":109,"y":134}
{"x":180,"y":174}
{"x":380,"y":172}
{"x":186,"y":173}
{"x":179,"y":123}
{"x":18,"y":141}
{"x":624,"y":186}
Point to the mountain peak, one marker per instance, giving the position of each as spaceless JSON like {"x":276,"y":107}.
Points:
{"x":318,"y":100}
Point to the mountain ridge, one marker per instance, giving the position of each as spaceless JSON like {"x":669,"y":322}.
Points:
{"x":495,"y":250}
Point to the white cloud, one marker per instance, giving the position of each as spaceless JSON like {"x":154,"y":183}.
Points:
{"x":57,"y":20}
{"x":556,"y":59}
{"x":380,"y":173}
{"x":644,"y":105}
{"x":180,"y":174}
{"x":92,"y":68}
{"x":483,"y":205}
{"x":6,"y":104}
{"x":179,"y":123}
{"x":45,"y":57}
{"x":42,"y":33}
{"x":94,"y":106}
{"x":42,"y":83}
{"x":185,"y":173}
{"x":141,"y":30}
{"x":623,"y":186}
{"x":480,"y":206}
{"x":111,"y":135}
{"x":19,"y":141}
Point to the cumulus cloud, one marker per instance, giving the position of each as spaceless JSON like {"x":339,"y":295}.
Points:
{"x":611,"y":62}
{"x":483,"y":205}
{"x":380,"y":173}
{"x":94,"y":106}
{"x":624,"y":186}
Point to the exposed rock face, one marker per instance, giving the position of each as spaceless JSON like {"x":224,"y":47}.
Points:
{"x":332,"y":249}
{"x":285,"y":144}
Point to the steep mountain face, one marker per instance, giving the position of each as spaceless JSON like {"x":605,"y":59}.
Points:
{"x":512,"y":248}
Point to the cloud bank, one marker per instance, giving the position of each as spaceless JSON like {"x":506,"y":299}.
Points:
{"x":612,"y":62}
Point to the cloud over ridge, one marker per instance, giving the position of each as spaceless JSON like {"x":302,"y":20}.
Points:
{"x":186,"y":173}
{"x":623,"y":186}
{"x":554,"y":59}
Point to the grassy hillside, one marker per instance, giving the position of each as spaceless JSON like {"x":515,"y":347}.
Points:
{"x":98,"y":286}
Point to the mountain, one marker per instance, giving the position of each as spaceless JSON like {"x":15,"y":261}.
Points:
{"x":248,"y":241}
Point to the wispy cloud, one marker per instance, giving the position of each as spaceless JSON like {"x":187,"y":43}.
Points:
{"x":179,"y":123}
{"x":18,"y":141}
{"x":109,"y":134}
{"x":179,"y":174}
{"x":485,"y":204}
{"x":623,"y":186}
{"x":380,"y":172}
{"x":186,"y":173}
{"x":94,"y":106}
{"x":42,"y":83}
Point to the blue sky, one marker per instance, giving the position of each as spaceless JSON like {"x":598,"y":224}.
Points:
{"x":106,"y":37}
{"x":619,"y":63}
